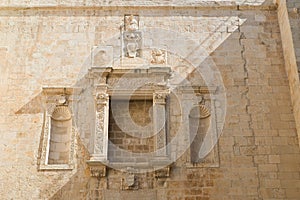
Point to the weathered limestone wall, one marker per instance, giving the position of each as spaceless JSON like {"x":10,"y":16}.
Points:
{"x":293,"y":7}
{"x":139,"y":111}
{"x":289,"y":26}
{"x":258,"y":149}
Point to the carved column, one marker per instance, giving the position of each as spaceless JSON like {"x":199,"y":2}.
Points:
{"x":159,"y":122}
{"x":101,"y":125}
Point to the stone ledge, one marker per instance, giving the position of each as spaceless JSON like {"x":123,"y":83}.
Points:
{"x":174,"y":4}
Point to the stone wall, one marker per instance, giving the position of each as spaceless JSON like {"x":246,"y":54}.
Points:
{"x":289,"y":24}
{"x":293,"y":7}
{"x":258,"y":148}
{"x":140,"y":113}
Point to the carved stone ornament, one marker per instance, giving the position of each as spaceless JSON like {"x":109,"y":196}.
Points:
{"x":99,"y":136}
{"x":101,"y":100}
{"x":200,"y":112}
{"x":160,"y":97}
{"x":131,"y":22}
{"x":163,"y":172}
{"x":98,"y":170}
{"x":130,"y":182}
{"x":133,"y":43}
{"x":101,"y":97}
{"x":158,"y":56}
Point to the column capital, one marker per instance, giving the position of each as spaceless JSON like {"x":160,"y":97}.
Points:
{"x":159,"y":97}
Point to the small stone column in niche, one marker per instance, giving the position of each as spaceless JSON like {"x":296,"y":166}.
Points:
{"x":159,"y":122}
{"x":101,"y":127}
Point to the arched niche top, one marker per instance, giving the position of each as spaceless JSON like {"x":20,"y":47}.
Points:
{"x":199,"y":112}
{"x":61,"y":113}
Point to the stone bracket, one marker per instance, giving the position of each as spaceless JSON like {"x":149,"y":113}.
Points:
{"x":163,"y":172}
{"x":97,"y":169}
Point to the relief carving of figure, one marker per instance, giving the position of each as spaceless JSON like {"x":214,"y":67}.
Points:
{"x":131,"y":23}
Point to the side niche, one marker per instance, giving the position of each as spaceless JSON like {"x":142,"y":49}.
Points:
{"x":58,"y":135}
{"x":202,"y":132}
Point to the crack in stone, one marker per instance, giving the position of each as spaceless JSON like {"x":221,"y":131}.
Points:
{"x":245,"y":94}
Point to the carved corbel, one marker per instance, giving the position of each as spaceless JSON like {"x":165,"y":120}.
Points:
{"x":163,"y":172}
{"x":98,"y":171}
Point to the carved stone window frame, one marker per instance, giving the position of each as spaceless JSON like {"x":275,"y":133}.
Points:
{"x":52,"y":98}
{"x":103,"y":92}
